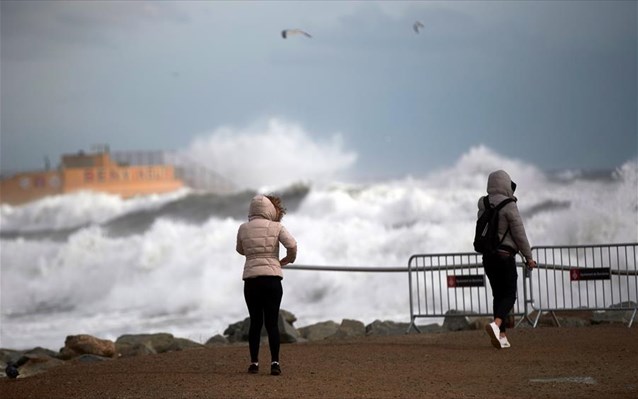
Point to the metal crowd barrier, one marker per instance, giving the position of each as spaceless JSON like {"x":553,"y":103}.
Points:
{"x":585,"y":277}
{"x":591,"y":277}
{"x":439,"y":283}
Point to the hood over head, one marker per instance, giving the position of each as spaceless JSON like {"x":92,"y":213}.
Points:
{"x":499,"y":182}
{"x":261,"y":207}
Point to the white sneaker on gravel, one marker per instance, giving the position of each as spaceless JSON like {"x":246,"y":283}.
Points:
{"x":504,"y":342}
{"x":494,"y":332}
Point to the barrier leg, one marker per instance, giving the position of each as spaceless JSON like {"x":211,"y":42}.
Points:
{"x":413,"y":325}
{"x":555,"y":318}
{"x":524,"y":318}
{"x":538,"y":316}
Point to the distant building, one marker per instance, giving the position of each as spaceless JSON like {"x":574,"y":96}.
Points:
{"x":124,"y":174}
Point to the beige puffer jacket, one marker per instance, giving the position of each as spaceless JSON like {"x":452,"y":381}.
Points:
{"x":499,"y":188}
{"x":259,"y":238}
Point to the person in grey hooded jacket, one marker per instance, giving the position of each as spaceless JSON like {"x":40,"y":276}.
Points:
{"x":500,"y":268}
{"x":258,"y":240}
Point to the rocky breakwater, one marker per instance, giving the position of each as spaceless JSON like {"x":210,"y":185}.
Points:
{"x":87,"y":348}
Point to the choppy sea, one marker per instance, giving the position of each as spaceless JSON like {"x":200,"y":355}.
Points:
{"x":96,"y":264}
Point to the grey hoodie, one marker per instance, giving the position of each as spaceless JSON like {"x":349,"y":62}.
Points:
{"x":259,"y":238}
{"x":499,"y":188}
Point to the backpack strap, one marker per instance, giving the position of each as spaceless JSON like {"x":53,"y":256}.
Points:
{"x":486,"y":202}
{"x":498,"y":208}
{"x":503,"y":203}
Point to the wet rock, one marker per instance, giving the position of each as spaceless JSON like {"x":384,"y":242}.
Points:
{"x":573,"y":322}
{"x":288,"y":334}
{"x":180,"y":344}
{"x":319,"y":331}
{"x":287,"y":316}
{"x":479,"y":323}
{"x":9,"y":355}
{"x":39,"y":351}
{"x":238,"y":332}
{"x":144,"y":344}
{"x":76,"y":345}
{"x":350,"y":328}
{"x":30,"y":365}
{"x":216,"y":340}
{"x":431,"y":328}
{"x":456,"y":321}
{"x":615,"y":316}
{"x":379,"y":327}
{"x":135,"y":349}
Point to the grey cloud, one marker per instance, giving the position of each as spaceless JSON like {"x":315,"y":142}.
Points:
{"x":37,"y":30}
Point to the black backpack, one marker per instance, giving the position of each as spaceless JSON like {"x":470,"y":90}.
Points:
{"x":486,"y":240}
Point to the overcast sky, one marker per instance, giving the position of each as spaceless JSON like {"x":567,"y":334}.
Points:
{"x":551,"y":83}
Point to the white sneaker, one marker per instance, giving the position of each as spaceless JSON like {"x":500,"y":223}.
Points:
{"x":504,"y":342}
{"x":494,"y":332}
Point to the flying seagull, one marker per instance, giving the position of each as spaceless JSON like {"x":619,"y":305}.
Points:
{"x":287,"y":32}
{"x":417,"y":26}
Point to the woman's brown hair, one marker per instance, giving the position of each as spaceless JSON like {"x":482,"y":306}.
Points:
{"x":279,"y":206}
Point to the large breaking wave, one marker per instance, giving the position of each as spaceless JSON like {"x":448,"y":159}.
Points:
{"x":93,"y":263}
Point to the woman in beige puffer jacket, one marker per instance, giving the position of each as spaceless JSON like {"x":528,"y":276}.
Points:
{"x":258,"y":240}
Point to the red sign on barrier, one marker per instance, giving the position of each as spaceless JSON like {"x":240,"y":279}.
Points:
{"x":475,"y":280}
{"x":595,"y":273}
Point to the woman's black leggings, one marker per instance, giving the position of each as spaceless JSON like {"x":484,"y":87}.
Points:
{"x":263,"y":298}
{"x":501,"y":271}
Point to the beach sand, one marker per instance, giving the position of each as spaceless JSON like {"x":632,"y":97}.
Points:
{"x":546,"y":362}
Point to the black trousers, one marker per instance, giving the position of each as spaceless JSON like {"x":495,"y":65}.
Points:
{"x":501,"y":272}
{"x":263,"y":298}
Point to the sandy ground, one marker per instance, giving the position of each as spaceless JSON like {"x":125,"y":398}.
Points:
{"x":546,"y":362}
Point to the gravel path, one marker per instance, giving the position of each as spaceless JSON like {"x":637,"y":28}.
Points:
{"x":547,"y":362}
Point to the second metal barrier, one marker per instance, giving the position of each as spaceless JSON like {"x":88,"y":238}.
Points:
{"x":439,"y":283}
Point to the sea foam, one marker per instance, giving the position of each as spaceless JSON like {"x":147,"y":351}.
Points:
{"x":182,"y":275}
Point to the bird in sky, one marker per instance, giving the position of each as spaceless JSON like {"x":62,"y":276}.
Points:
{"x":287,"y":32}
